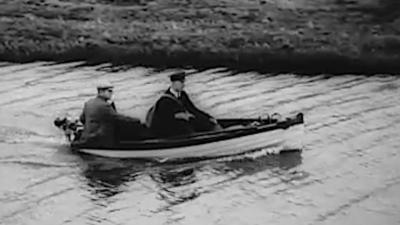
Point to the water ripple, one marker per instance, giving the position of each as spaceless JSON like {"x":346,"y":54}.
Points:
{"x":351,"y":154}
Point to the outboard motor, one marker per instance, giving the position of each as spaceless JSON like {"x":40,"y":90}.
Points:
{"x":71,"y":128}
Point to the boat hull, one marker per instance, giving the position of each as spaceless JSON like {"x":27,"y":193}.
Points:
{"x":284,"y":139}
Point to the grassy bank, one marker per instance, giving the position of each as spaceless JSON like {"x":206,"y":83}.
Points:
{"x":313,"y":36}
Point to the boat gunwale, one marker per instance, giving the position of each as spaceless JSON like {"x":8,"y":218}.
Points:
{"x":199,"y":138}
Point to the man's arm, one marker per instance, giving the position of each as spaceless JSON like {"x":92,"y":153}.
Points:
{"x":111,"y":114}
{"x":192,"y":108}
{"x":197,"y":112}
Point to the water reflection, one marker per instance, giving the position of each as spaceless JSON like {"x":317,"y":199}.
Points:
{"x":107,"y":177}
{"x":177,"y":183}
{"x":174,"y":177}
{"x":173,"y":184}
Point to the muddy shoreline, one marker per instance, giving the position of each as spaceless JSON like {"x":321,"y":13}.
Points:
{"x":332,"y":37}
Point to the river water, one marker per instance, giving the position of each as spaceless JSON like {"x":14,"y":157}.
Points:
{"x":347,"y":173}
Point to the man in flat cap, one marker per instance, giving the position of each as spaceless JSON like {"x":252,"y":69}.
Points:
{"x":175,"y":114}
{"x":100,"y":119}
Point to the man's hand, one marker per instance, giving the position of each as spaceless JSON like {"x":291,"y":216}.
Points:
{"x":255,"y":123}
{"x":184,"y":116}
{"x":213,"y":120}
{"x":217,"y":127}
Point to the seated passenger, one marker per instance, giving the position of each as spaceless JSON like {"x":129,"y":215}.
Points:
{"x":100,"y":120}
{"x":175,"y":114}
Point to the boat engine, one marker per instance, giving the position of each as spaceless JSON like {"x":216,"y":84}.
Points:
{"x":72,"y":128}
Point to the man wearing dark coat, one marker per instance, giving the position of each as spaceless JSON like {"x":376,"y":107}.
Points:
{"x":175,"y":114}
{"x":100,"y":119}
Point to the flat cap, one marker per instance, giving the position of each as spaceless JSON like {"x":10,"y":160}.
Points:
{"x":180,"y":76}
{"x":104,"y":84}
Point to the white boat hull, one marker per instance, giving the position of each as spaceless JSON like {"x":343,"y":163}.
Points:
{"x":278,"y":140}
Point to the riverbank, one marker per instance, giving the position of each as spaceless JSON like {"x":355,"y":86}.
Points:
{"x":317,"y":36}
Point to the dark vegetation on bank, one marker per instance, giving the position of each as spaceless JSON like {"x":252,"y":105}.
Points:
{"x":301,"y":36}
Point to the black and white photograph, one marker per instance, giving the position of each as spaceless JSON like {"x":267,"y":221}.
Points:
{"x":199,"y":112}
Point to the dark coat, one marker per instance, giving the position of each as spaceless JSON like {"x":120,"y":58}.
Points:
{"x":100,"y":120}
{"x":164,"y":123}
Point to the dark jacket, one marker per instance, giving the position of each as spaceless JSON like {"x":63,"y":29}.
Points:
{"x":100,"y":120}
{"x":164,"y":123}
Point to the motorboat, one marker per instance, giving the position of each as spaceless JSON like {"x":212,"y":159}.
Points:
{"x":237,"y":136}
